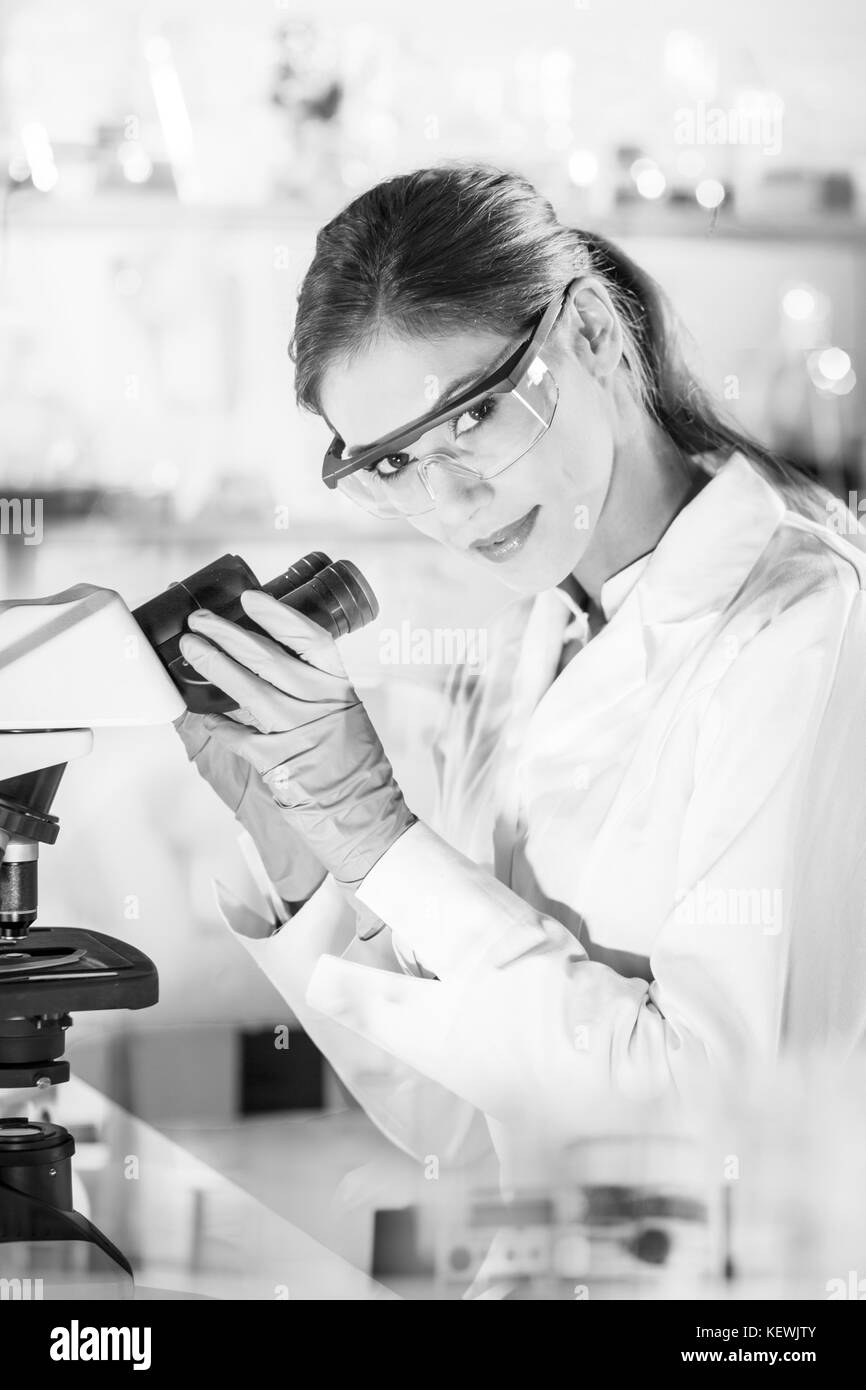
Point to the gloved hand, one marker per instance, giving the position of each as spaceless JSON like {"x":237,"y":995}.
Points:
{"x":290,"y":864}
{"x":302,"y":726}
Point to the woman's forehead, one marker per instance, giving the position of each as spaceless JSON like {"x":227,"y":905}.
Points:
{"x":392,"y":382}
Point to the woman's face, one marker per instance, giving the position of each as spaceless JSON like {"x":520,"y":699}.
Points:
{"x":534,"y":521}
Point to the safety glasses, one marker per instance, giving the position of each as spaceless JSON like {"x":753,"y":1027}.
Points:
{"x":490,"y":426}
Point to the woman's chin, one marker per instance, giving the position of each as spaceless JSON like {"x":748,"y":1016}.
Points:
{"x":537,"y":573}
{"x":539,"y":561}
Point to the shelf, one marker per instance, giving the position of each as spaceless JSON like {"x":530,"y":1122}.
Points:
{"x":149,"y":212}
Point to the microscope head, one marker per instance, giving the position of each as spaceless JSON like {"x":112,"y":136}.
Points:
{"x":78,"y":660}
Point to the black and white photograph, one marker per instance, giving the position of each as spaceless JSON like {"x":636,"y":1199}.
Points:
{"x":432,"y":668}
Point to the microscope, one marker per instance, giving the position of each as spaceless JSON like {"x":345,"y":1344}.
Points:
{"x":71,"y":663}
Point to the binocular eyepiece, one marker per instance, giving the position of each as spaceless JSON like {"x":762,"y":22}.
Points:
{"x":333,"y":594}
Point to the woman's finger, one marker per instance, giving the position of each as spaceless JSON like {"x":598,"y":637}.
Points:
{"x":267,"y":659}
{"x":270,"y":707}
{"x":300,"y":634}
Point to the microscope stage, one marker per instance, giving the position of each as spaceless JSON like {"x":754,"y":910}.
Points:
{"x":59,"y":969}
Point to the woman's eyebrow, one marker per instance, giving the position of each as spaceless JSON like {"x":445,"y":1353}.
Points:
{"x":459,"y":383}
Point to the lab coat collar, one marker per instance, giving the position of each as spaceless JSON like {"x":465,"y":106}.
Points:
{"x":615,"y":591}
{"x":711,"y":545}
{"x":704,"y":555}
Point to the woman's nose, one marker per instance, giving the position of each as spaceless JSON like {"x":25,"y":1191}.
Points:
{"x":457,"y":492}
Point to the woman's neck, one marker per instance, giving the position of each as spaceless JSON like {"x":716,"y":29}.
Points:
{"x":650,"y":485}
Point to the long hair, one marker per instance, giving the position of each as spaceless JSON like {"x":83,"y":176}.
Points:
{"x":463,"y":246}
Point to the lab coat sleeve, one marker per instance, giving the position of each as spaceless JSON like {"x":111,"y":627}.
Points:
{"x":520,"y":1021}
{"x":417,"y":1114}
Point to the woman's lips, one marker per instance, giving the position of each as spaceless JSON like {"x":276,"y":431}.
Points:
{"x":502,"y":545}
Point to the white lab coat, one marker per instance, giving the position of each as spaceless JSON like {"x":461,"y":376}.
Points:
{"x":610,"y":899}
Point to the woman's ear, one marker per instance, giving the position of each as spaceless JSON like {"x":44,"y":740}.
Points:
{"x":596,"y":329}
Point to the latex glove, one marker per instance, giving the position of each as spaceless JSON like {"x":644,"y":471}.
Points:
{"x":304,"y":729}
{"x":290,"y":864}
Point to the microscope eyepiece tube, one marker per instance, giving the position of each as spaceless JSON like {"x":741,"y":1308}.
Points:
{"x":333,"y":594}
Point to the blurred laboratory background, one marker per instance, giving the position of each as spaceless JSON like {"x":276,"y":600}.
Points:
{"x":163,"y":172}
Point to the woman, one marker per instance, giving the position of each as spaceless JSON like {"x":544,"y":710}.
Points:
{"x":611,"y":899}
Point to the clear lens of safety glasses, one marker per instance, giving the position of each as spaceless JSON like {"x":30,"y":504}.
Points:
{"x":480,"y":443}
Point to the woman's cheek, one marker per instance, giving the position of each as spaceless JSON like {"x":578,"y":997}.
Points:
{"x":585,"y":477}
{"x":587,"y":505}
{"x":568,"y":533}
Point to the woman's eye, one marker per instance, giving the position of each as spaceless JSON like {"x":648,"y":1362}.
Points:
{"x":390,"y":466}
{"x":471,"y":419}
